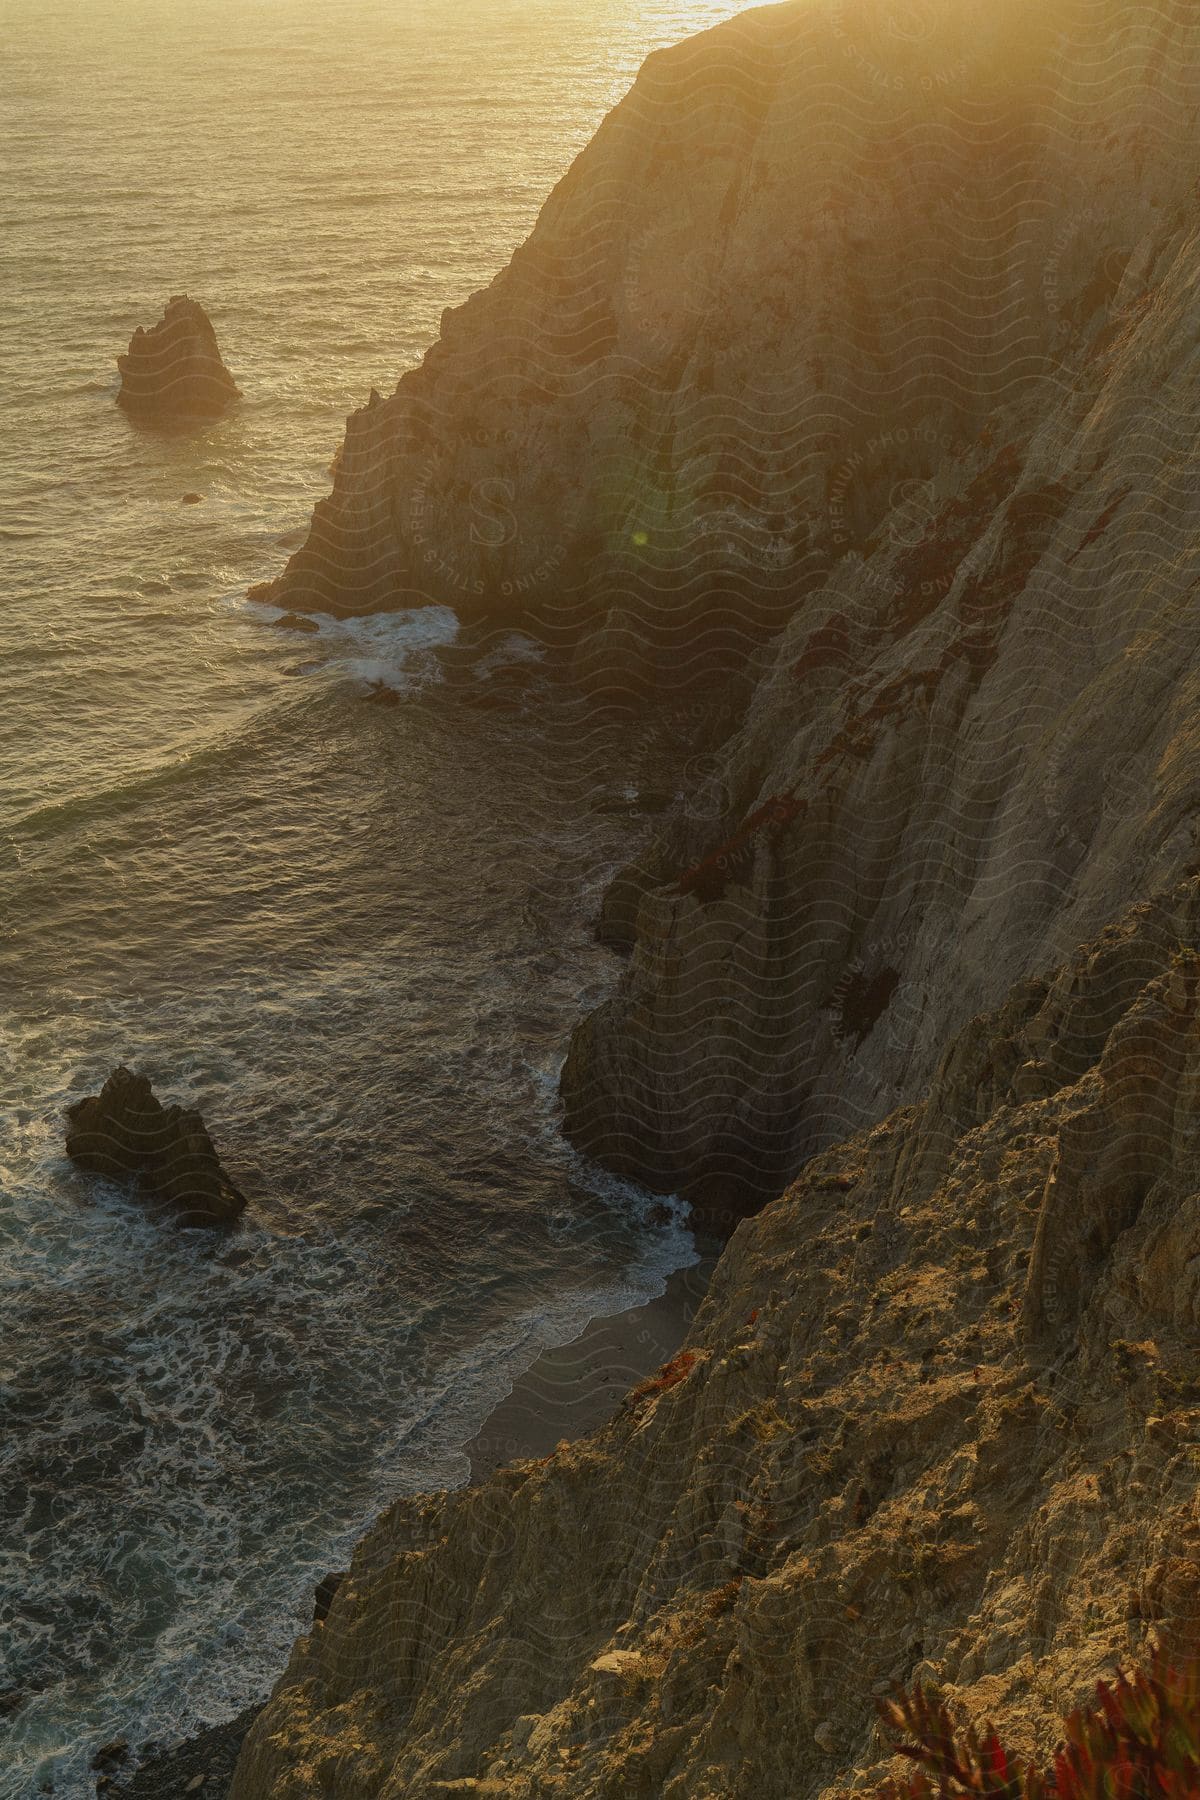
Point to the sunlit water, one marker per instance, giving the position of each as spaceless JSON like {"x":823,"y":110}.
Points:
{"x":354,"y":933}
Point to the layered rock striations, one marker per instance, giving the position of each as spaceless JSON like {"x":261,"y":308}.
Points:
{"x":936,"y":1420}
{"x":174,"y":371}
{"x":967,"y":750}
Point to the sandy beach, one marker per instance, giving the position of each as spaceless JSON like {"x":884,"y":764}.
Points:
{"x":566,"y":1393}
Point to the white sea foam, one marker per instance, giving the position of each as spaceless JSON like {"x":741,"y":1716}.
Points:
{"x":178,"y":896}
{"x":511,"y":652}
{"x":394,"y":650}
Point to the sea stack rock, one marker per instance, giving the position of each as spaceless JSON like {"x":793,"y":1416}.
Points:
{"x":175,"y":369}
{"x":125,"y":1131}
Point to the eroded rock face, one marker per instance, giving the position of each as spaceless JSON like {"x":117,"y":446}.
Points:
{"x":124,"y":1132}
{"x":793,"y":345}
{"x":968,"y":750}
{"x":784,"y":285}
{"x":936,"y":1418}
{"x":175,"y":371}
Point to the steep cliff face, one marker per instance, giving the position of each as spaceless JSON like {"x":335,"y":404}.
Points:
{"x":802,"y":263}
{"x":937,"y":1418}
{"x":885,"y":345}
{"x":968,"y":750}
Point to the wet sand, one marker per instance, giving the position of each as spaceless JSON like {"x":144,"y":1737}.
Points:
{"x":566,"y":1393}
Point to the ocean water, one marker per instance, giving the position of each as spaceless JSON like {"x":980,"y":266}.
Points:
{"x":318,"y":886}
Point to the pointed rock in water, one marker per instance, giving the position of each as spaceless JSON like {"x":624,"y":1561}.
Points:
{"x":175,"y":370}
{"x":125,"y":1131}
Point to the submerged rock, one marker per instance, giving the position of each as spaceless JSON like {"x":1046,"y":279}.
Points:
{"x":109,"y":1756}
{"x":175,"y":369}
{"x":202,"y":1765}
{"x":125,"y":1131}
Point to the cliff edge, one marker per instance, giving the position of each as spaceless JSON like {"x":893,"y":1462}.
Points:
{"x":868,"y":357}
{"x":937,"y":1419}
{"x":805,"y":259}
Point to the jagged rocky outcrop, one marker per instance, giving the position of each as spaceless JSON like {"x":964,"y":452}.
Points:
{"x":125,"y":1133}
{"x":936,"y":1419}
{"x":967,"y":750}
{"x":867,"y":352}
{"x":174,"y":370}
{"x":795,"y":273}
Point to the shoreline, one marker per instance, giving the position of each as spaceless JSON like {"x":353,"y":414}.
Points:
{"x":569,"y":1390}
{"x":565,"y":1392}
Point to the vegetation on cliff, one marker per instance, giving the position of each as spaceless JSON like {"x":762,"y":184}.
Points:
{"x":1141,"y":1741}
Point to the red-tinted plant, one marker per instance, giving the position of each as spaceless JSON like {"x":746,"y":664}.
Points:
{"x":1140,"y":1742}
{"x":669,"y":1376}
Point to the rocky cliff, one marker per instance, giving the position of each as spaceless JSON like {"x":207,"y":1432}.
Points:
{"x":967,"y":751}
{"x":841,"y":326}
{"x":800,"y":266}
{"x":861,"y":344}
{"x":937,"y":1419}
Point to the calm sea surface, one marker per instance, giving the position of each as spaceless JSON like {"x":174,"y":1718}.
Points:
{"x":307,"y":883}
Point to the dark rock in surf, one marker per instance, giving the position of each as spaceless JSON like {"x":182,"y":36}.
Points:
{"x":326,"y":1588}
{"x":124,"y":1133}
{"x":296,"y":622}
{"x":166,"y":1774}
{"x":192,"y":499}
{"x":110,"y":1756}
{"x":175,"y":371}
